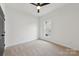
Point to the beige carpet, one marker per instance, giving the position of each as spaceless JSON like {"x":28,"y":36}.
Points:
{"x":39,"y":48}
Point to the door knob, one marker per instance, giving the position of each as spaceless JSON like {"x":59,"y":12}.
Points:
{"x":2,"y":35}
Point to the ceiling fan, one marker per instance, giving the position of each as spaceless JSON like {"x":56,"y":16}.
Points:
{"x":39,"y":5}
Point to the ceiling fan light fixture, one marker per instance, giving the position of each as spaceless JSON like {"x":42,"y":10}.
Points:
{"x":38,"y":7}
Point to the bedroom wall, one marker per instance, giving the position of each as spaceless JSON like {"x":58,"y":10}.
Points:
{"x":20,"y":27}
{"x":64,"y":26}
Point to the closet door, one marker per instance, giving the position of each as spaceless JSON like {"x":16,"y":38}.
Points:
{"x":2,"y":44}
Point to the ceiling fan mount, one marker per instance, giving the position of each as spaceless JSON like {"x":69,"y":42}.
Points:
{"x":39,"y":5}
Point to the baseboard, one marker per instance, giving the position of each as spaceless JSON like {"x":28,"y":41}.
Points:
{"x":17,"y":43}
{"x":60,"y":45}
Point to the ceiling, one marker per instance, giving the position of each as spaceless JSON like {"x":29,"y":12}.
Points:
{"x":31,"y":9}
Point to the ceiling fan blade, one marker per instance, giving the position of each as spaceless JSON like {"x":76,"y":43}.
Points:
{"x":44,"y":4}
{"x":34,"y":4}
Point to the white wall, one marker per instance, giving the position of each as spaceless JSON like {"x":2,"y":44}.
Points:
{"x":20,"y":27}
{"x":65,"y":26}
